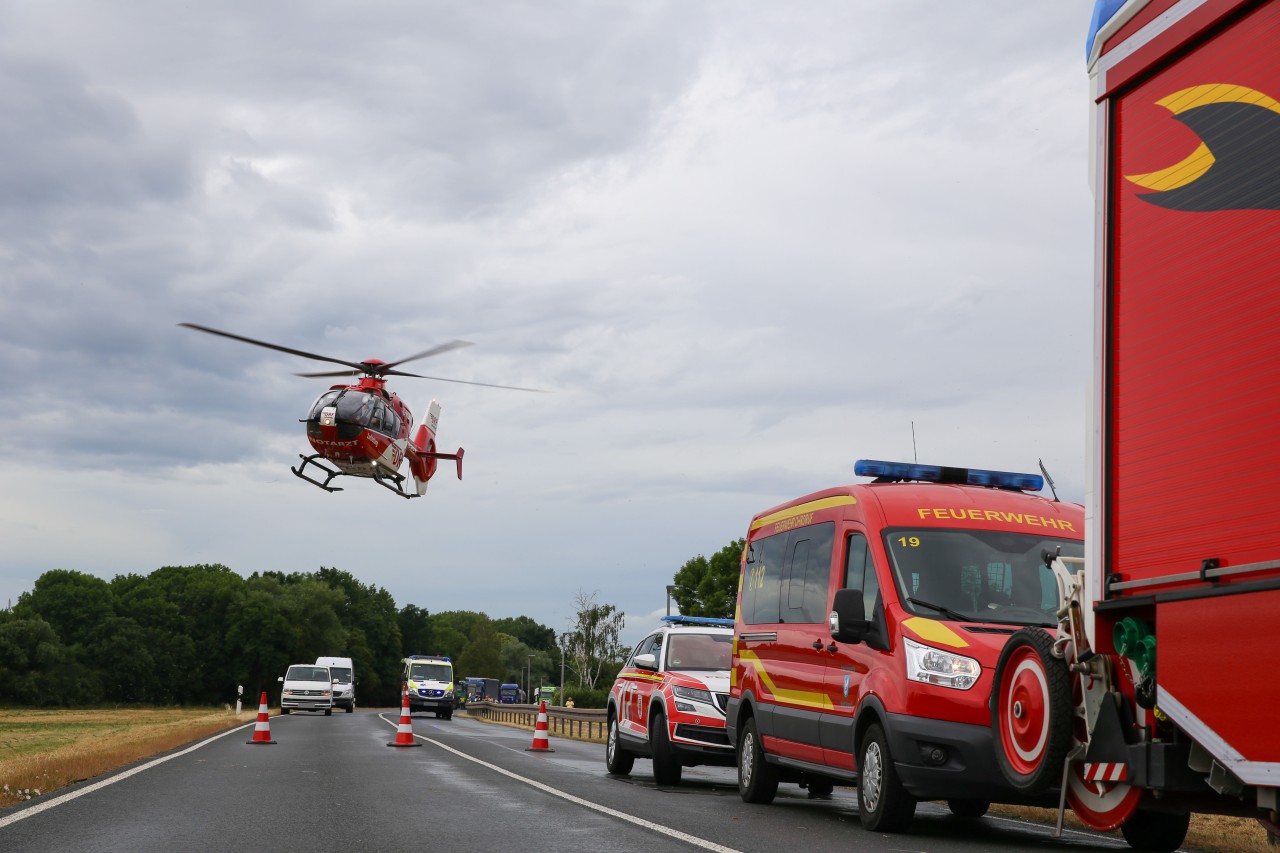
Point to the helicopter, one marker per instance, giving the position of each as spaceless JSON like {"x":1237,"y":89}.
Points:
{"x":363,"y":430}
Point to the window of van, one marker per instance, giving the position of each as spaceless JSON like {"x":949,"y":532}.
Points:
{"x":982,"y":575}
{"x":860,"y":573}
{"x":788,"y":576}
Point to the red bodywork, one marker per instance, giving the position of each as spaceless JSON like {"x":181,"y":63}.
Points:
{"x":1187,"y":352}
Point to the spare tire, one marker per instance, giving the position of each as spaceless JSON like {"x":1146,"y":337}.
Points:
{"x":1031,"y":712}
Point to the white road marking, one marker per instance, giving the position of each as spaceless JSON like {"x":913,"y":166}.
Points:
{"x":556,"y":792}
{"x":68,"y":797}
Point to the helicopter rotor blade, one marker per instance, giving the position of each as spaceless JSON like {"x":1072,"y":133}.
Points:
{"x":341,"y":374}
{"x":353,"y":365}
{"x":465,"y":382}
{"x":436,"y":350}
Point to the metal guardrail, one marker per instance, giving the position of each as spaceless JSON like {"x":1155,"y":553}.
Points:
{"x":582,"y":723}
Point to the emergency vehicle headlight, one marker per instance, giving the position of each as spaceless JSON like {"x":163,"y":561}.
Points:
{"x":944,"y":474}
{"x":934,"y":666}
{"x":693,"y":693}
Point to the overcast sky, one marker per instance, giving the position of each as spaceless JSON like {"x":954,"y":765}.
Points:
{"x":741,"y":243}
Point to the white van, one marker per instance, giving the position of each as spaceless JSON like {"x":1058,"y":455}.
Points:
{"x":306,"y":687}
{"x":344,"y":681}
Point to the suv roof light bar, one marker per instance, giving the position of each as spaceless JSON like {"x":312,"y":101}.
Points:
{"x":698,"y":620}
{"x":895,"y":472}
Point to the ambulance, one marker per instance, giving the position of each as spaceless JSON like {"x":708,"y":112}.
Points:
{"x":428,"y":681}
{"x":871,"y":631}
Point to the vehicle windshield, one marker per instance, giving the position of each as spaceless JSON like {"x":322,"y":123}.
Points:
{"x":307,"y":673}
{"x":341,"y":673}
{"x":430,"y":672}
{"x":977,"y":575}
{"x":698,"y":651}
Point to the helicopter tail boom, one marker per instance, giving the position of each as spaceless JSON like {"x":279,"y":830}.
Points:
{"x":422,"y":451}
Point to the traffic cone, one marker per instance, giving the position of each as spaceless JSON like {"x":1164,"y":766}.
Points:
{"x":541,"y":743}
{"x":404,"y":734}
{"x":262,"y":728}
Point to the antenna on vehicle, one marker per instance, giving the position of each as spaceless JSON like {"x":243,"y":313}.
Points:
{"x":915,"y":457}
{"x":1048,"y":479}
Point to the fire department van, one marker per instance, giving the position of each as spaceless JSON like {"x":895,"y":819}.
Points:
{"x":869,"y":632}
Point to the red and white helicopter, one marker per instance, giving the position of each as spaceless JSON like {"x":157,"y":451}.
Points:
{"x":362,"y":430}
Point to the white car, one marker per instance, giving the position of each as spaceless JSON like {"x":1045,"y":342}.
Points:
{"x":307,"y":687}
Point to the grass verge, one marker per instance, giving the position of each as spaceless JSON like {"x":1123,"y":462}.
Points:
{"x":44,"y":750}
{"x":1210,"y":833}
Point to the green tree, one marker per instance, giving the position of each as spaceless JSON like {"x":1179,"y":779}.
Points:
{"x":73,"y":603}
{"x":415,"y":630}
{"x":709,"y":587}
{"x":591,"y":644}
{"x":35,"y":667}
{"x":531,"y":633}
{"x":481,"y":657}
{"x":451,"y":631}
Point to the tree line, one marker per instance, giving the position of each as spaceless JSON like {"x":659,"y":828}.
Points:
{"x":189,"y":635}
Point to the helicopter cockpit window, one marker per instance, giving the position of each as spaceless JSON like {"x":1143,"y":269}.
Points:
{"x":326,"y":399}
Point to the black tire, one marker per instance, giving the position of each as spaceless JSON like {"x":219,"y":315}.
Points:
{"x":757,"y":778}
{"x":968,"y":808}
{"x":1160,"y":832}
{"x":883,"y":804}
{"x":617,"y":760}
{"x":328,"y":712}
{"x":820,"y":789}
{"x":1031,"y":711}
{"x":284,"y":712}
{"x":666,"y":768}
{"x":448,"y":715}
{"x":351,"y":707}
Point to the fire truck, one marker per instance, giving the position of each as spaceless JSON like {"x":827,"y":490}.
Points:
{"x":1170,"y":624}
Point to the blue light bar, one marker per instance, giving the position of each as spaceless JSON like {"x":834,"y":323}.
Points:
{"x":698,"y":620}
{"x":895,"y":471}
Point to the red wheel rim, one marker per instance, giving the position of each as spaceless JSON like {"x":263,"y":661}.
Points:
{"x":1101,"y":805}
{"x":1024,"y":711}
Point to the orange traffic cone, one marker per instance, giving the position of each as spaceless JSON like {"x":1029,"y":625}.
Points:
{"x":404,"y":734}
{"x":262,"y":729}
{"x":541,"y":743}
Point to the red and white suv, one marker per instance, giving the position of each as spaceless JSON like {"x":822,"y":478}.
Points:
{"x":668,"y":701}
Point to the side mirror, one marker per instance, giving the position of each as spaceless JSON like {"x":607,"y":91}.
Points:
{"x":848,"y":620}
{"x":281,"y":678}
{"x":648,"y":662}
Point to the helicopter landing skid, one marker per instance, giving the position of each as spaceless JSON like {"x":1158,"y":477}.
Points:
{"x":329,"y":472}
{"x":392,"y":482}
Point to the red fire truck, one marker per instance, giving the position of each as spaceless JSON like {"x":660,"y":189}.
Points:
{"x":1171,"y":633}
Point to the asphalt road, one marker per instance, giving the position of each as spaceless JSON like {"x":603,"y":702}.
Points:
{"x":332,"y":783}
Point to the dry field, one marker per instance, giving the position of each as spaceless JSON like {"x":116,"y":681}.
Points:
{"x":42,"y":751}
{"x":47,"y":750}
{"x":1208,"y":833}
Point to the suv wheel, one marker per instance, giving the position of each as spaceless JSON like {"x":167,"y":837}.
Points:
{"x":617,"y":760}
{"x":666,"y":769}
{"x":883,"y":804}
{"x":757,"y":778}
{"x":328,"y":712}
